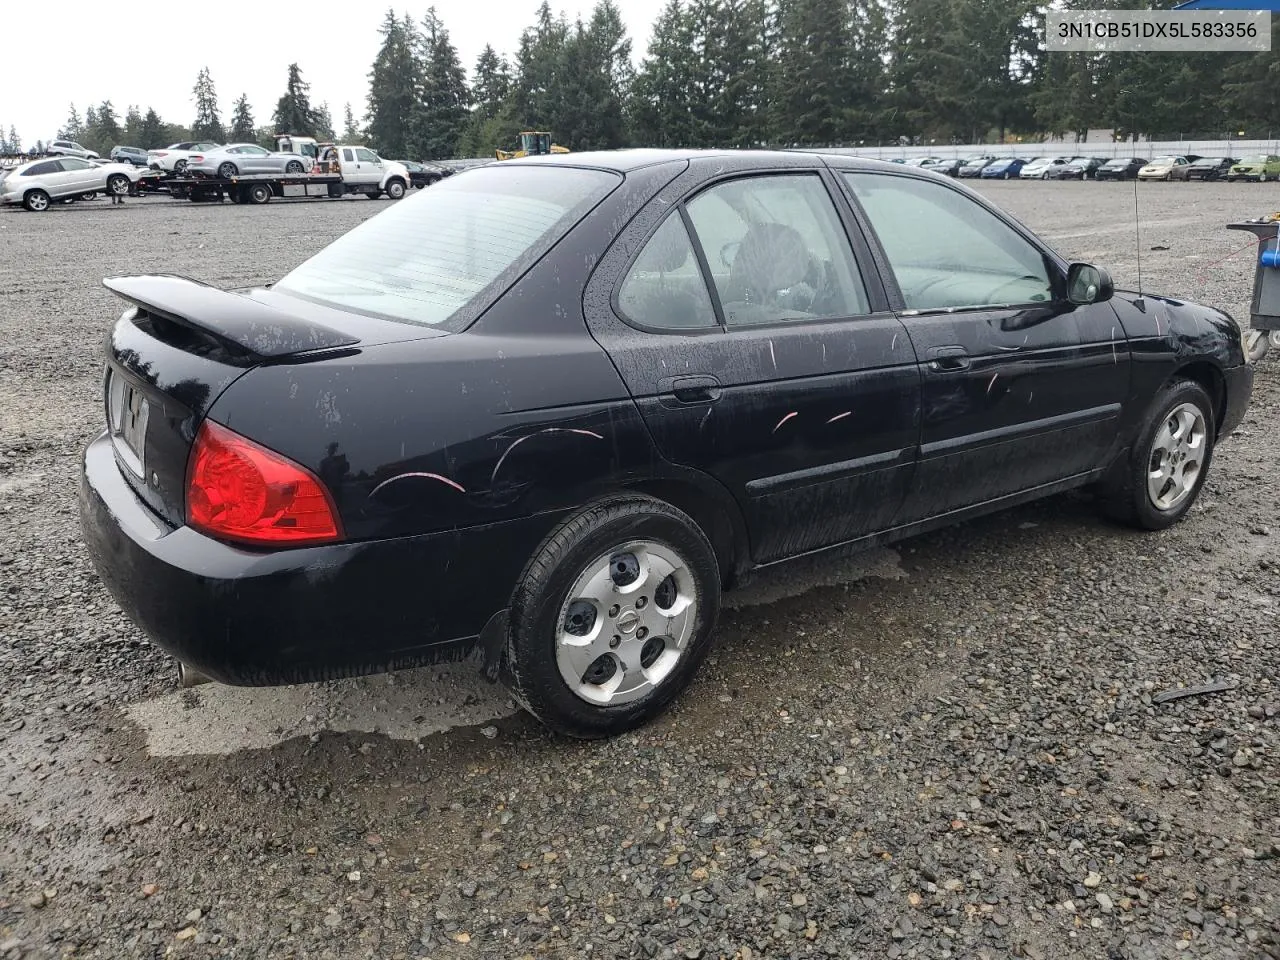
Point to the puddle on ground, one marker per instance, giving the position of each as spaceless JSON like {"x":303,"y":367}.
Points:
{"x":411,"y":704}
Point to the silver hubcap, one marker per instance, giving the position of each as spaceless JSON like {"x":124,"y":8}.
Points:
{"x":625,"y":623}
{"x":1177,"y":457}
{"x":39,"y":201}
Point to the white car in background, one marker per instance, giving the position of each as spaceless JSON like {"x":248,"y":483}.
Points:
{"x":38,"y":184}
{"x":174,"y":158}
{"x":1038,"y":169}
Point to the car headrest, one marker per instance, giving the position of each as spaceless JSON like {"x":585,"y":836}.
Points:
{"x":771,"y":257}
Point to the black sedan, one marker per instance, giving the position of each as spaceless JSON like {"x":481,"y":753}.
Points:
{"x":423,"y":174}
{"x":1206,"y":168}
{"x":546,"y":412}
{"x":1122,"y":168}
{"x":1080,"y":168}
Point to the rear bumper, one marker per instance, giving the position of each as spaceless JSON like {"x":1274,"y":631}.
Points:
{"x":255,"y":618}
{"x":1239,"y":389}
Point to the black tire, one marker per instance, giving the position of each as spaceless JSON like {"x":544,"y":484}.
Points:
{"x":529,"y":665}
{"x":433,"y":179}
{"x":37,"y":201}
{"x":228,"y":170}
{"x":395,"y":188}
{"x":258,"y":193}
{"x":179,"y":167}
{"x":118,"y":184}
{"x":1124,"y":497}
{"x":88,"y":196}
{"x":293,"y":166}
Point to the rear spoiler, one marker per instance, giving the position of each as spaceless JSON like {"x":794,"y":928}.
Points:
{"x":255,"y":327}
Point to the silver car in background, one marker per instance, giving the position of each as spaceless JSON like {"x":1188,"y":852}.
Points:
{"x":242,"y":159}
{"x":39,"y":183}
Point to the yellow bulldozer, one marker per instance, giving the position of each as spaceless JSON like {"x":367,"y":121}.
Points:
{"x":533,"y":143}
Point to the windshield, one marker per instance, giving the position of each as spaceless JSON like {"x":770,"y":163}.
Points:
{"x":440,"y":257}
{"x":1162,"y":160}
{"x":1257,"y":160}
{"x":1118,"y":163}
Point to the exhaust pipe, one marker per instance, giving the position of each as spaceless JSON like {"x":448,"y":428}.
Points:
{"x":190,"y":677}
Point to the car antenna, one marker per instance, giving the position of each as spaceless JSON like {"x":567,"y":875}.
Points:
{"x":1137,"y":239}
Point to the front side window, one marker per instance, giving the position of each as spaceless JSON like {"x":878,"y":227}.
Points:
{"x":777,"y":250}
{"x":945,"y":249}
{"x":664,"y":288}
{"x":441,"y":257}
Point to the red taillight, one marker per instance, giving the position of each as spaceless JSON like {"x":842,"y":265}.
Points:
{"x":237,"y":490}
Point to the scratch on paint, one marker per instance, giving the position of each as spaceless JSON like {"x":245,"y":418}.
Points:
{"x":894,"y":343}
{"x":1157,"y":316}
{"x":771,"y":355}
{"x":530,"y":436}
{"x":824,"y":354}
{"x":993,"y":382}
{"x":1031,"y":396}
{"x":793,"y":413}
{"x":427,"y":476}
{"x":840,"y":416}
{"x":705,"y":417}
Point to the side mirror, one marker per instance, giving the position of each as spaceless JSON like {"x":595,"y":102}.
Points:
{"x":1088,"y":284}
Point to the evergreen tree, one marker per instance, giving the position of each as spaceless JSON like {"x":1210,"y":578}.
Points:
{"x":208,"y":123}
{"x":242,"y":129}
{"x":661,"y":96}
{"x":350,"y":132}
{"x":132,"y":125}
{"x":595,"y":71}
{"x":815,"y":92}
{"x":72,"y":129}
{"x":491,"y":83}
{"x":323,"y":125}
{"x":151,"y":132}
{"x":12,"y":143}
{"x":108,"y":130}
{"x":441,"y":110}
{"x":294,"y":113}
{"x":536,"y":93}
{"x":393,"y":82}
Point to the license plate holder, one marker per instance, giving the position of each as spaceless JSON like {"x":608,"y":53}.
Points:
{"x":127,"y":413}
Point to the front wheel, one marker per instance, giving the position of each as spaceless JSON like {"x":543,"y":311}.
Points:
{"x":612,"y":617}
{"x":1161,"y":477}
{"x":395,"y":189}
{"x":293,"y":166}
{"x":118,"y":184}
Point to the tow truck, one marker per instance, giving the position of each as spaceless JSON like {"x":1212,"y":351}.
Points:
{"x":337,"y":170}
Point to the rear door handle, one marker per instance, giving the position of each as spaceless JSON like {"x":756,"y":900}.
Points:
{"x":948,"y":359}
{"x":690,"y":390}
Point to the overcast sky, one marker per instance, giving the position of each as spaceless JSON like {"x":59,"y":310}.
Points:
{"x":145,"y":58}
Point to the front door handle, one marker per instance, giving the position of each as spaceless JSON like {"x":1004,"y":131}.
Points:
{"x":948,"y":359}
{"x":689,"y":390}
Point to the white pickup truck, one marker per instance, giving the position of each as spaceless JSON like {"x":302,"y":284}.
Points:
{"x":362,"y":170}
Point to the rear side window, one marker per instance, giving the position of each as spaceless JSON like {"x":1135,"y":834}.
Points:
{"x":664,"y":288}
{"x":440,"y":257}
{"x":40,"y":169}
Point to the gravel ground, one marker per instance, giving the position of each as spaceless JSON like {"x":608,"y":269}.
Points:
{"x":950,"y":749}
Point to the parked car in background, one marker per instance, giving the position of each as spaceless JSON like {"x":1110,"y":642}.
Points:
{"x":420,"y":174}
{"x":244,"y":159}
{"x":1003,"y":168}
{"x":39,"y":183}
{"x":1258,"y":168}
{"x":616,"y":459}
{"x":1121,"y":168}
{"x":973,"y":166}
{"x":1206,"y":168}
{"x":1038,"y":169}
{"x":69,"y":148}
{"x":135,"y":155}
{"x":923,"y":161}
{"x":1161,"y":168}
{"x":1079,"y":168}
{"x":950,"y":168}
{"x":174,"y":158}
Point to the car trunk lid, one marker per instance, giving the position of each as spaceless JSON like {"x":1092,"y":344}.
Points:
{"x":182,"y":344}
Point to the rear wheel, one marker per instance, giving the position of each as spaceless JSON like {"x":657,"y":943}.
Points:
{"x":259,"y":193}
{"x":1161,"y":477}
{"x":37,"y":201}
{"x":227,"y":170}
{"x":612,"y":617}
{"x":180,"y":167}
{"x":293,"y":166}
{"x":88,"y":196}
{"x":118,"y":184}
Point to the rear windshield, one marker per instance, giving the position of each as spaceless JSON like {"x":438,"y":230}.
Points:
{"x":440,"y":257}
